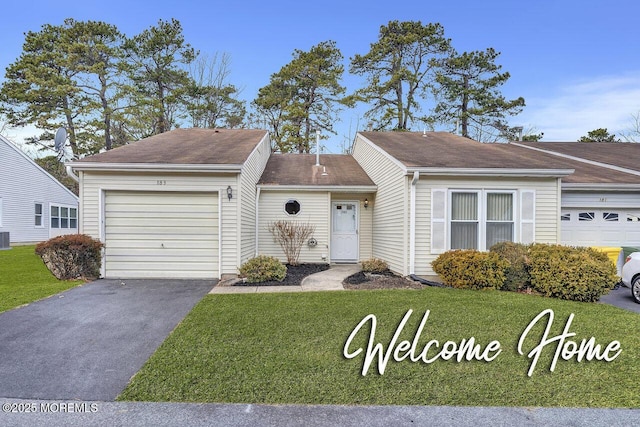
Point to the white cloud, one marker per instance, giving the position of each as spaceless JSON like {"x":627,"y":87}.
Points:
{"x":569,"y":112}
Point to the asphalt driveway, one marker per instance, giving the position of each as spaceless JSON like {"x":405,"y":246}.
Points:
{"x":621,"y":298}
{"x":87,"y":342}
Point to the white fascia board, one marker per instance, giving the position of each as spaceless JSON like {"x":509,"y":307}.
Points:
{"x":599,"y":187}
{"x":331,"y":188}
{"x":489,"y":172}
{"x":153,"y":167}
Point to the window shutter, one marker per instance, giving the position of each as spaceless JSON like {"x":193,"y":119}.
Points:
{"x":527,"y":216}
{"x":438,"y":220}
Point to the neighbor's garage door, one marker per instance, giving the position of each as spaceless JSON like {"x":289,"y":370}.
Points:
{"x":600,"y":227}
{"x":161,"y":235}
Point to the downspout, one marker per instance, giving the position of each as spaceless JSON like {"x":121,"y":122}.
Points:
{"x":257,"y":218}
{"x":412,"y":224}
{"x":71,"y":174}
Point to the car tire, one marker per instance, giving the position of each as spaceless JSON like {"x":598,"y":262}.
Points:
{"x":635,"y":289}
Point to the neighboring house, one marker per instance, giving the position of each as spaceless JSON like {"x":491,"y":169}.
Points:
{"x":180,"y":204}
{"x":601,"y":200}
{"x":197,"y":203}
{"x":34,"y":206}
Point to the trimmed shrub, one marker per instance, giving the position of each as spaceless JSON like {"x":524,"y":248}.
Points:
{"x":572,"y":273}
{"x":72,"y":256}
{"x":374,"y":265}
{"x":471,"y":269}
{"x":263,"y":269}
{"x":517,"y":274}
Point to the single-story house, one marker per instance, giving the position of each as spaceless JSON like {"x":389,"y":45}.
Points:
{"x":34,"y":206}
{"x":198,"y":202}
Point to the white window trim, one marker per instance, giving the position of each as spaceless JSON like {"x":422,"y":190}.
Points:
{"x":284,"y":206}
{"x":482,"y":214}
{"x":58,"y":205}
{"x":42,"y":215}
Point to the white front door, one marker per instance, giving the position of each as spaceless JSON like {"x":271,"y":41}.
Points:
{"x":344,"y":232}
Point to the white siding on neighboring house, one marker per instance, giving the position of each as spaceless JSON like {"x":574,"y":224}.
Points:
{"x":545,"y":220}
{"x":314,"y":209}
{"x":390,"y":208}
{"x":251,"y":172}
{"x":24,"y":184}
{"x":96,"y":184}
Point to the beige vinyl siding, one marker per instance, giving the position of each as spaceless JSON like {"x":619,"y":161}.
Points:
{"x":95,"y":184}
{"x":314,"y":209}
{"x":546,"y":216}
{"x":161,"y":235}
{"x":251,"y":172}
{"x":365,"y":222}
{"x":389,"y":212}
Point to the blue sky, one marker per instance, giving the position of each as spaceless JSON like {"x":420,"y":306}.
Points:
{"x":576,"y":63}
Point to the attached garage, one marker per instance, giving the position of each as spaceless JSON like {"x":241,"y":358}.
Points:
{"x":157,"y":234}
{"x":600,"y":227}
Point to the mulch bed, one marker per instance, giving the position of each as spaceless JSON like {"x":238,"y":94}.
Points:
{"x":295,"y":274}
{"x":386,"y":280}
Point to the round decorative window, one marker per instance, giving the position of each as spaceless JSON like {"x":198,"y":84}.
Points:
{"x":292,"y":207}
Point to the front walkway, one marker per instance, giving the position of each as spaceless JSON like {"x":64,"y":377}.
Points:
{"x":328,"y":280}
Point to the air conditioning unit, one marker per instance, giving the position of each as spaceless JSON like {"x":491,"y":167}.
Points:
{"x":4,"y":240}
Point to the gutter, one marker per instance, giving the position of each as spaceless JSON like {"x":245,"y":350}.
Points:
{"x":412,"y":224}
{"x":155,"y":167}
{"x":542,"y":173}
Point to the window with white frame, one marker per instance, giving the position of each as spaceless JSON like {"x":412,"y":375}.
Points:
{"x":64,"y":217}
{"x":37,"y":215}
{"x":480,"y":219}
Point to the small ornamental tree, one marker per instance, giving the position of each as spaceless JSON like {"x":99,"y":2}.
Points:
{"x":291,"y":235}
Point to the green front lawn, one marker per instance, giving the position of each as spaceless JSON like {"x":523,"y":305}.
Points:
{"x":288,"y":348}
{"x":24,"y":278}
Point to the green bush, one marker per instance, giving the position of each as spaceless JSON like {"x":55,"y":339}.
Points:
{"x":374,"y":265}
{"x":72,"y":256}
{"x":517,"y":274}
{"x":471,"y":269}
{"x":578,"y":274}
{"x":263,"y":269}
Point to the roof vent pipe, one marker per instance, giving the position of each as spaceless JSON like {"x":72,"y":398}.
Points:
{"x":317,"y":147}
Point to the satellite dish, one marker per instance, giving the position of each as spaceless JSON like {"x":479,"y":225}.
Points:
{"x":61,"y":137}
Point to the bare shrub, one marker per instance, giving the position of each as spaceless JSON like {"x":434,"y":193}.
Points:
{"x":291,"y":235}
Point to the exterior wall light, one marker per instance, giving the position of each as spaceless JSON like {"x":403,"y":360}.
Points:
{"x":229,"y":193}
{"x":366,"y":203}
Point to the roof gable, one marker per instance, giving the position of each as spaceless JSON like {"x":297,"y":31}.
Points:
{"x":36,"y":168}
{"x":185,"y":147}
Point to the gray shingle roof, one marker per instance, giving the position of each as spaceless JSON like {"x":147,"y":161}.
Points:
{"x":186,"y":146}
{"x":300,"y":169}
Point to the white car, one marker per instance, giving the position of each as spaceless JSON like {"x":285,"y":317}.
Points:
{"x":631,"y":274}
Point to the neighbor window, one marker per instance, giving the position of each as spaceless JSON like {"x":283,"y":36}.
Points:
{"x":292,"y":207}
{"x":64,"y":217}
{"x":479,"y":220}
{"x":38,"y":215}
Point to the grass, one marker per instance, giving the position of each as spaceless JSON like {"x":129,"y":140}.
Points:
{"x":24,"y":278}
{"x":287,"y":348}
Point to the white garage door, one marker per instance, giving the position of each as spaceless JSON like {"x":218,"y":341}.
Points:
{"x":600,"y":227}
{"x":161,"y":235}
